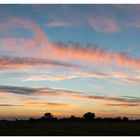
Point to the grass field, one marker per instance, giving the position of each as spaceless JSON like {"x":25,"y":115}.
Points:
{"x":70,"y":129}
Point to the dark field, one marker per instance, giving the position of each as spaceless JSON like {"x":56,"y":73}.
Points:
{"x":70,"y":129}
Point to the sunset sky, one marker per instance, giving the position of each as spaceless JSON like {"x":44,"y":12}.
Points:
{"x":69,"y":59}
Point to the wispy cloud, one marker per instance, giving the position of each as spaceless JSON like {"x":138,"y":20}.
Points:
{"x":58,"y":23}
{"x":70,"y":51}
{"x":93,"y":55}
{"x":19,"y":62}
{"x":45,"y":104}
{"x":11,"y":64}
{"x":90,"y":55}
{"x":52,"y":78}
{"x":34,"y":78}
{"x":104,"y":24}
{"x":67,"y":94}
{"x":37,"y":104}
{"x":123,"y":105}
{"x":17,"y":90}
{"x":135,"y":81}
{"x":112,"y":99}
{"x":14,"y":22}
{"x":10,"y":105}
{"x":20,"y":44}
{"x":77,"y":73}
{"x":126,"y":78}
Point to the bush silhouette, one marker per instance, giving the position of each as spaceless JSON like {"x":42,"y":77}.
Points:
{"x":89,"y":116}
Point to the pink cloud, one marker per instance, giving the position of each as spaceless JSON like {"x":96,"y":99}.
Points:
{"x":90,"y":55}
{"x":17,"y":45}
{"x":93,"y":55}
{"x":20,"y":44}
{"x":103,"y":24}
{"x":39,"y":35}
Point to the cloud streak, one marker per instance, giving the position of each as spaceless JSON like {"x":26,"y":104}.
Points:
{"x":93,"y":55}
{"x":112,"y":99}
{"x":20,"y":62}
{"x":10,"y":105}
{"x":58,"y":23}
{"x":36,"y":104}
{"x":45,"y":104}
{"x":67,"y":94}
{"x":123,"y":105}
{"x":11,"y":64}
{"x":72,"y":74}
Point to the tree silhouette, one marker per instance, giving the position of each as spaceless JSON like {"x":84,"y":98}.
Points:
{"x":125,"y":119}
{"x":72,"y":117}
{"x":32,"y":120}
{"x":48,"y":116}
{"x":89,"y":116}
{"x":118,"y":118}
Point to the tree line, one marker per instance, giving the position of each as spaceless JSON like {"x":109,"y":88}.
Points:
{"x":89,"y":116}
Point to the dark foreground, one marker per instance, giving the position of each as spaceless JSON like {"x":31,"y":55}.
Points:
{"x":69,"y":129}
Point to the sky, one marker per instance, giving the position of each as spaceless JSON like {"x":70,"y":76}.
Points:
{"x":69,"y":59}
